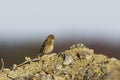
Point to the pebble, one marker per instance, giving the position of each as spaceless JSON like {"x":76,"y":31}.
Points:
{"x":68,"y":60}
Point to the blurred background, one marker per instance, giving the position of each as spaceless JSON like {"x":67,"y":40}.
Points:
{"x":24,"y":25}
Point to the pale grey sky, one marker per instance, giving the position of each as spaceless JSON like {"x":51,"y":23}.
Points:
{"x":30,"y":19}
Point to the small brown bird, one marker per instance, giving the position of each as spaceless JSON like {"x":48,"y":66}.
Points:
{"x":48,"y":45}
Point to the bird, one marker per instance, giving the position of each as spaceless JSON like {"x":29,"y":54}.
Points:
{"x":48,"y":45}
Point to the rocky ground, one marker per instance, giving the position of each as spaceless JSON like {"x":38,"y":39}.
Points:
{"x":77,"y":63}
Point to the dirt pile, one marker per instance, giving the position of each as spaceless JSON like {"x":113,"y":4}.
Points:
{"x":77,"y":63}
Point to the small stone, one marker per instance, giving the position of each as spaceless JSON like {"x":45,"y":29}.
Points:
{"x":113,"y":59}
{"x":58,"y":77}
{"x":14,"y":66}
{"x":28,"y":59}
{"x":47,"y":77}
{"x":58,"y":66}
{"x":80,"y":45}
{"x":73,"y":46}
{"x":68,"y":60}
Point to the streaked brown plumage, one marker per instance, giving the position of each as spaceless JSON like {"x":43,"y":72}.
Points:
{"x":48,"y":45}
